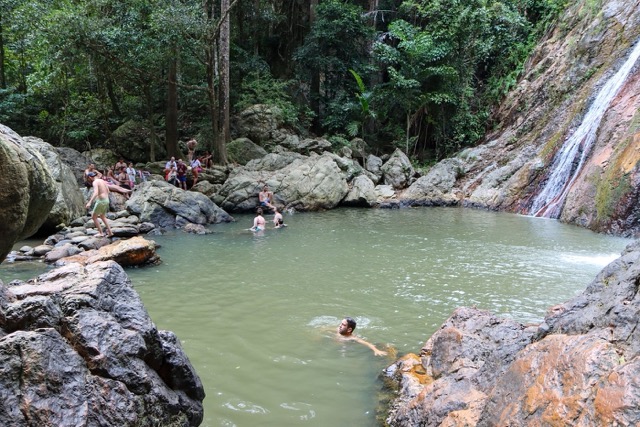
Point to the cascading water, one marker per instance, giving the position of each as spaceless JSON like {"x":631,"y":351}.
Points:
{"x":568,"y":162}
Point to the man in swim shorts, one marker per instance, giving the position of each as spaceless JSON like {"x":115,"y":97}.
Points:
{"x":345,"y":332}
{"x":265,"y":197}
{"x":101,"y":197}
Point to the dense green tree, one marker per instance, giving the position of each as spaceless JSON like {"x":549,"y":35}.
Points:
{"x":337,"y":42}
{"x":73,"y":71}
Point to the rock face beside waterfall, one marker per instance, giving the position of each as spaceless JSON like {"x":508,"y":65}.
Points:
{"x":578,"y":367}
{"x":559,"y":87}
{"x":78,"y":348}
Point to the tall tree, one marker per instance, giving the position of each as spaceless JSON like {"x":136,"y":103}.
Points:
{"x":225,"y":50}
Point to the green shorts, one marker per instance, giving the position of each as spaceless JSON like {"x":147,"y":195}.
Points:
{"x":101,"y":207}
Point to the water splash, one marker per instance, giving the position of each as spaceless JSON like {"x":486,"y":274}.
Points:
{"x":568,"y":162}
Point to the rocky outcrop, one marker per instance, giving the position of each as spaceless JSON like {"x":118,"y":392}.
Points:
{"x":297,"y":181}
{"x":70,"y":203}
{"x":27,"y":192}
{"x":577,"y":367}
{"x":559,"y":85}
{"x":165,"y":205}
{"x":136,"y":251}
{"x":77,"y":347}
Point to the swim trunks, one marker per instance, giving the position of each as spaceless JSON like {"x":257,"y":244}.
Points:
{"x":101,"y":207}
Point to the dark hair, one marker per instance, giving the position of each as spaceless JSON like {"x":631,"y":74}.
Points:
{"x":351,"y":323}
{"x":259,"y":211}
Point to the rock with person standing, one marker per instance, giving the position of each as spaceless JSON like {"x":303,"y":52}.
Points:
{"x":78,"y":348}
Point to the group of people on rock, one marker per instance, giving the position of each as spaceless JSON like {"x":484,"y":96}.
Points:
{"x":120,"y":177}
{"x":175,"y":172}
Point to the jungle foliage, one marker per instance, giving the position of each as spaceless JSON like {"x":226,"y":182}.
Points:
{"x":417,"y":74}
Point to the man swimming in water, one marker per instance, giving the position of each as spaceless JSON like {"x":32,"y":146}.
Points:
{"x":345,"y":332}
{"x":100,"y":209}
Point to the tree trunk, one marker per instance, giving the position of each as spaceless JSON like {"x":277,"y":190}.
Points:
{"x":171,"y":117}
{"x":225,"y":32}
{"x":3,"y":75}
{"x":314,"y":89}
{"x":153,"y":137}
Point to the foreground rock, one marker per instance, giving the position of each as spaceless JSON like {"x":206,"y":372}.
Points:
{"x":27,"y":190}
{"x":578,"y":367}
{"x":78,"y":348}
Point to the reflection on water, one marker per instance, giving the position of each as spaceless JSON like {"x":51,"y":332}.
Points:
{"x":256,"y":313}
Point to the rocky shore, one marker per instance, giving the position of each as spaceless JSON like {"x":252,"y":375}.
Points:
{"x":577,"y":367}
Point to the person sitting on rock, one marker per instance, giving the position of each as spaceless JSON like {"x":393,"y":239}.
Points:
{"x":345,"y":332}
{"x":196,"y":168}
{"x":265,"y":197}
{"x":131,"y":175}
{"x":90,"y":169}
{"x":123,"y":179}
{"x":170,"y":165}
{"x":120,"y":164}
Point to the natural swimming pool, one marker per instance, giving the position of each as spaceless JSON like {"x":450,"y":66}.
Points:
{"x":254,"y":312}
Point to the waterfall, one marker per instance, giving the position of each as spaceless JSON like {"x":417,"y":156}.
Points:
{"x":568,"y":161}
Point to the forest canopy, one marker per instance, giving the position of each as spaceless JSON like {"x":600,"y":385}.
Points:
{"x":421,"y":75}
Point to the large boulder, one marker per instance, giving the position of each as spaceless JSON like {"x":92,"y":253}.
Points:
{"x":165,"y":205}
{"x":577,"y":367}
{"x":437,"y":187}
{"x":398,"y":171}
{"x":78,"y":348}
{"x":76,"y":160}
{"x":135,"y":251}
{"x":361,"y":193}
{"x":301,"y":182}
{"x":132,"y":141}
{"x":27,"y":190}
{"x":70,"y":203}
{"x":259,"y":122}
{"x":243,"y":150}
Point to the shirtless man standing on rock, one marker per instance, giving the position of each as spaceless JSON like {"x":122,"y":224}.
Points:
{"x":100,"y":209}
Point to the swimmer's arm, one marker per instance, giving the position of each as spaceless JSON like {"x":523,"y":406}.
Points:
{"x":375,"y":349}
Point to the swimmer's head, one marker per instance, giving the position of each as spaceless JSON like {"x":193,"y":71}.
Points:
{"x":347,"y":326}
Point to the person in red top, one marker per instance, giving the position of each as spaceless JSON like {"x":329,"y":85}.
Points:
{"x":182,"y":174}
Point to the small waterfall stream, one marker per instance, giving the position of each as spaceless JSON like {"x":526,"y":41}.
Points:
{"x":568,"y":162}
